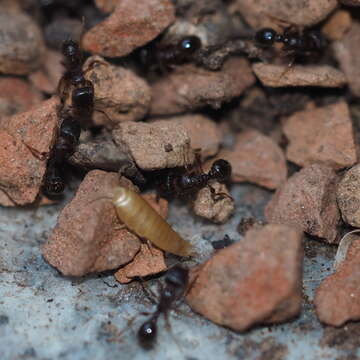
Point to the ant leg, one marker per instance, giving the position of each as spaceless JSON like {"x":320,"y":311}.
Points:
{"x":117,"y":336}
{"x":39,"y":155}
{"x":289,"y":65}
{"x":180,"y":312}
{"x":8,"y":196}
{"x":198,"y":162}
{"x":94,"y":63}
{"x":106,"y":115}
{"x":145,"y":313}
{"x":63,"y":89}
{"x":218,"y":196}
{"x":148,"y":292}
{"x":149,"y":246}
{"x":169,"y":329}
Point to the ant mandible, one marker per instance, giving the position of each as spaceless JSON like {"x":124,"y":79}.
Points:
{"x":176,"y":284}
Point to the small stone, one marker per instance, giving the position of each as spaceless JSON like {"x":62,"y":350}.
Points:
{"x":323,"y":134}
{"x":216,"y":208}
{"x":27,"y":139}
{"x":204,"y":133}
{"x":106,"y":6}
{"x":189,"y":87}
{"x":87,"y":237}
{"x":16,"y":95}
{"x":119,"y":93}
{"x":131,"y":25}
{"x":149,"y":144}
{"x":307,"y":201}
{"x":47,"y":78}
{"x":264,"y":13}
{"x":256,"y":158}
{"x":21,"y":43}
{"x":100,"y":153}
{"x":337,"y":25}
{"x":348,"y":196}
{"x":299,"y":75}
{"x":345,"y":53}
{"x":260,"y":275}
{"x":337,"y":299}
{"x":60,"y":28}
{"x":148,"y":261}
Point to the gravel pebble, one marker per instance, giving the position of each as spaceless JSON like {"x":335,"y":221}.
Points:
{"x":323,"y":134}
{"x":337,"y":25}
{"x":204,"y":133}
{"x":87,"y":237}
{"x":260,"y":275}
{"x":27,"y":139}
{"x":188,"y":87}
{"x":17,"y":95}
{"x":21,"y":44}
{"x":157,"y":145}
{"x":256,"y":158}
{"x":263,"y":13}
{"x":216,"y":208}
{"x":348,"y":196}
{"x":337,"y":299}
{"x":119,"y":93}
{"x":345,"y":53}
{"x":132,"y":24}
{"x":308,"y":201}
{"x":299,"y":75}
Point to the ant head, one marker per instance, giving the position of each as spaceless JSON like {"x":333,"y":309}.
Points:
{"x":147,"y":334}
{"x":189,"y":45}
{"x":70,"y":48}
{"x":265,"y":37}
{"x":220,"y":170}
{"x":177,"y":276}
{"x":54,"y":186}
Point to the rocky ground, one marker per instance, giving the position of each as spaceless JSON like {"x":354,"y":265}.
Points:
{"x":272,"y":271}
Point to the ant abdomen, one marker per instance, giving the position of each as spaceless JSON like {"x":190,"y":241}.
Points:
{"x":147,"y":334}
{"x":83,"y":97}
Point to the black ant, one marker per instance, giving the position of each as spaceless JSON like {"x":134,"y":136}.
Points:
{"x":295,"y":43}
{"x":176,"y":284}
{"x":82,"y":95}
{"x":67,"y":141}
{"x":182,"y":184}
